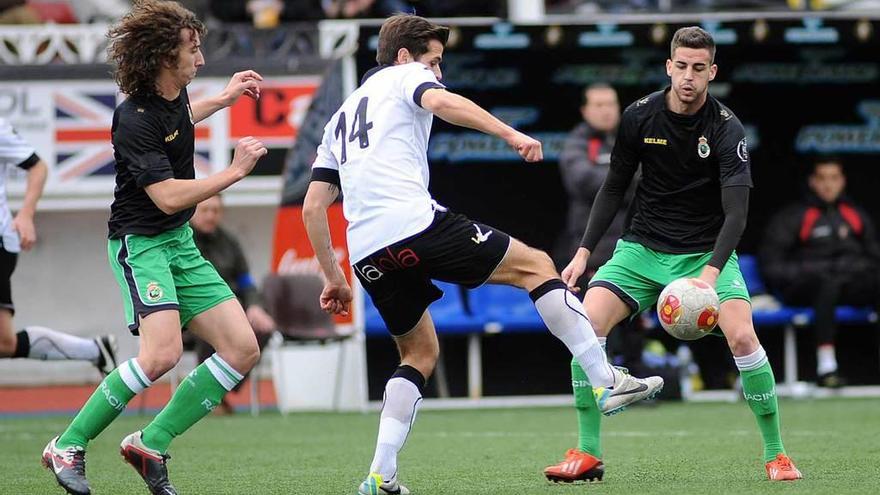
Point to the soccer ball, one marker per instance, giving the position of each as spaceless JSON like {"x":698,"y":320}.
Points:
{"x":688,"y":308}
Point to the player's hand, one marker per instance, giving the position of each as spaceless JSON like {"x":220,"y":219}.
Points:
{"x":260,"y":320}
{"x":336,"y":298}
{"x":242,"y":83}
{"x":528,"y":148}
{"x":27,"y":233}
{"x":576,"y":267}
{"x":247,"y":152}
{"x":709,"y":275}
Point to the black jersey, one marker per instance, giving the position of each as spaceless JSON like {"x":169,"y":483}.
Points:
{"x":686,"y":160}
{"x":153,"y":140}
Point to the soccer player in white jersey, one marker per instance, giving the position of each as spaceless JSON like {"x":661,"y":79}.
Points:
{"x":374,"y":149}
{"x":17,"y":233}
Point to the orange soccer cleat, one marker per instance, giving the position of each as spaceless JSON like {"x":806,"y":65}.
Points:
{"x":782,"y":469}
{"x":577,"y":466}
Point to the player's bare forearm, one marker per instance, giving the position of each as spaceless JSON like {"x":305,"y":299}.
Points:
{"x":460,"y":111}
{"x":204,"y":108}
{"x":318,"y":198}
{"x":174,"y":195}
{"x":36,"y":181}
{"x":242,"y":83}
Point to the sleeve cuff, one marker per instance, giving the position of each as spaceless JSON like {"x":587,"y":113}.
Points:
{"x":421,"y":88}
{"x":29,"y":162}
{"x":324,"y":174}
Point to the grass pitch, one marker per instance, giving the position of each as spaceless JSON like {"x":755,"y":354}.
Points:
{"x":673,"y":448}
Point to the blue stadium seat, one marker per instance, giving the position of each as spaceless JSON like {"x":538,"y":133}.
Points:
{"x":505,"y":308}
{"x":748,"y":265}
{"x":448,"y":313}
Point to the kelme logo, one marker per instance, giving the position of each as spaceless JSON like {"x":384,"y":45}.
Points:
{"x":154,"y":292}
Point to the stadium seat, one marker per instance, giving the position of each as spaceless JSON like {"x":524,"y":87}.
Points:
{"x":506,"y":309}
{"x":449,"y":314}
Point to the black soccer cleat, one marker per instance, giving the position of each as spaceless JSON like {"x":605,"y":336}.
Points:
{"x":107,"y":348}
{"x":69,"y":466}
{"x":150,"y":464}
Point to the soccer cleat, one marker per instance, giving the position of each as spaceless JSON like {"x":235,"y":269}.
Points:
{"x":782,"y":469}
{"x":375,"y":485}
{"x":831,"y":380}
{"x":577,"y":466}
{"x":69,"y":466}
{"x":627,"y":389}
{"x":149,"y":463}
{"x":107,"y":348}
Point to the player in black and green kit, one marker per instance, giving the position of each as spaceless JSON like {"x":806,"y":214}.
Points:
{"x":688,"y":214}
{"x":166,"y":283}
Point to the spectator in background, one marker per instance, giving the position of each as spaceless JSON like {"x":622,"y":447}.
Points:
{"x":223,"y":250}
{"x":262,"y":12}
{"x":822,"y":251}
{"x":18,"y":12}
{"x":583,"y":165}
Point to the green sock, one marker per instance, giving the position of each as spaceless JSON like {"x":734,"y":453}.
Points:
{"x":588,"y":414}
{"x":759,"y":389}
{"x":195,"y":397}
{"x":105,"y":404}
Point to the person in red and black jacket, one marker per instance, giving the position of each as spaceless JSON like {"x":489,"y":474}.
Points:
{"x":823,"y":252}
{"x":583,"y":165}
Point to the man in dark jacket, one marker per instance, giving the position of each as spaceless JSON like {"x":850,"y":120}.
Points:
{"x":823,"y":252}
{"x":223,"y":250}
{"x":583,"y":166}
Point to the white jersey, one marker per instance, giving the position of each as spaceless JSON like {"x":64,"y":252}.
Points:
{"x":14,"y":151}
{"x":377,"y":143}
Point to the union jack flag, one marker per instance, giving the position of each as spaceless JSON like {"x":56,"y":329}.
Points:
{"x":82,"y":134}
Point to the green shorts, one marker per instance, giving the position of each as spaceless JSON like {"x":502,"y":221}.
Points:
{"x":637,"y":274}
{"x":162,"y":272}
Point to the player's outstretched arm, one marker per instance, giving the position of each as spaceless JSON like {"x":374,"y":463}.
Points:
{"x":336,"y":297}
{"x":242,"y":83}
{"x":24,"y":219}
{"x":458,"y":110}
{"x":174,"y":195}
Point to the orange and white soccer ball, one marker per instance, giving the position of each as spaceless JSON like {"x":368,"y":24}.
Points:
{"x":688,"y":308}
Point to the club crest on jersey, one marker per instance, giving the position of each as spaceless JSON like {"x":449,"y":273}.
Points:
{"x":154,"y":292}
{"x":742,"y":150}
{"x":703,"y":148}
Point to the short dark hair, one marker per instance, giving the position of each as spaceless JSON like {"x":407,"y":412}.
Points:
{"x":145,"y":40}
{"x":595,"y":85}
{"x":826,"y":160}
{"x":692,"y":37}
{"x":407,"y":31}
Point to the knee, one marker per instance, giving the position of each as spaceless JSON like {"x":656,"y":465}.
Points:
{"x":7,"y":344}
{"x":423,"y":359}
{"x":743,"y":341}
{"x":158,"y":362}
{"x":242,"y":356}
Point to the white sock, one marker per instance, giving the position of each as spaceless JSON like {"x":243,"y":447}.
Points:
{"x":564,"y":316}
{"x":133,"y":376}
{"x":402,"y":399}
{"x":826,"y":360}
{"x":751,"y":361}
{"x":46,"y":343}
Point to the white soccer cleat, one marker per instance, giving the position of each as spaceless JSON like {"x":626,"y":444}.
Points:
{"x":375,"y":485}
{"x":627,"y":390}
